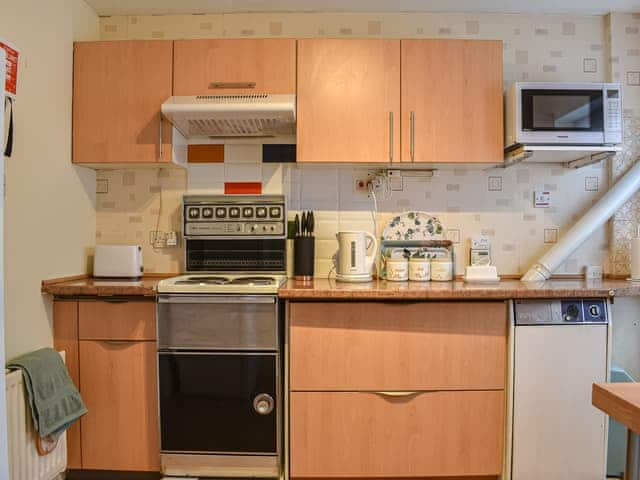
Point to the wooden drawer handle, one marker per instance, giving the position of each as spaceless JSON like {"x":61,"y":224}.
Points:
{"x":232,"y":85}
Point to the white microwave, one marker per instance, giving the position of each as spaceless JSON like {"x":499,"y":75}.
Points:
{"x":564,"y":114}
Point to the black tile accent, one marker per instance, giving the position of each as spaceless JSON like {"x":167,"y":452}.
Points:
{"x":278,"y":153}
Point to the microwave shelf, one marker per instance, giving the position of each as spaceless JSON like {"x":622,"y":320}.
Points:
{"x":571,"y":156}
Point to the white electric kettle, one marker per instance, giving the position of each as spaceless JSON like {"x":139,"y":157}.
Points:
{"x":352,"y":263}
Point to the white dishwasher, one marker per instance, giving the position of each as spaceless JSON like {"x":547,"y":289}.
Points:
{"x":560,"y":350}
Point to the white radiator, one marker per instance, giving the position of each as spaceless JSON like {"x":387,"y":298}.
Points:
{"x":24,"y":461}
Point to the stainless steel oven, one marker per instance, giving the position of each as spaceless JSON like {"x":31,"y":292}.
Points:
{"x":564,"y":113}
{"x":220,"y":385}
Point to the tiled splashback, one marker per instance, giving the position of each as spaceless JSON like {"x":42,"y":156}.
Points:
{"x":497,"y":203}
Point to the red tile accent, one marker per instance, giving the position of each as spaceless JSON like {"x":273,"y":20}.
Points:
{"x":243,"y":188}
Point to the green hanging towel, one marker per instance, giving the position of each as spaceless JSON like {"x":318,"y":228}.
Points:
{"x":54,"y":400}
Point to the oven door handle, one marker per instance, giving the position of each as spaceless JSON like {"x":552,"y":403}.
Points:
{"x":204,"y":298}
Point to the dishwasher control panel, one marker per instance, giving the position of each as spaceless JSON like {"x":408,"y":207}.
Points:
{"x":574,"y":311}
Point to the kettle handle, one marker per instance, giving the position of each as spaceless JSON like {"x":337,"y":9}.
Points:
{"x":371,"y":258}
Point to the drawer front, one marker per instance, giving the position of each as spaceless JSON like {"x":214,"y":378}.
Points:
{"x":349,"y":434}
{"x":398,"y":346}
{"x":127,"y":320}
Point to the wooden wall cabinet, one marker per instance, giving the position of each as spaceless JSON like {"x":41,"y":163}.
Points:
{"x":118,"y":88}
{"x":222,"y":67}
{"x":348,"y":100}
{"x":452,"y":101}
{"x":111,"y":356}
{"x":397,"y":389}
{"x":444,"y":96}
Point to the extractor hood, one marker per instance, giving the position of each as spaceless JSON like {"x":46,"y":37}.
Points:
{"x":255,"y":115}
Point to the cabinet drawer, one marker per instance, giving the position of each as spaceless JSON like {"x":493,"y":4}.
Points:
{"x":349,"y":434}
{"x":129,"y":320}
{"x":398,"y":346}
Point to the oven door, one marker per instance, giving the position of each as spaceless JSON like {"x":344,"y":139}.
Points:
{"x":219,"y":403}
{"x":561,"y":116}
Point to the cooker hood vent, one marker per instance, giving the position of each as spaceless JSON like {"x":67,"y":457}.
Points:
{"x":205,"y":116}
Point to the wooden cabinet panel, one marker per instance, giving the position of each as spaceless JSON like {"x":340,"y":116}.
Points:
{"x":350,"y":434}
{"x":102,"y":320}
{"x":65,"y":337}
{"x":398,"y":346}
{"x":454,"y":89}
{"x":119,"y":384}
{"x":269,"y":63}
{"x":348,"y":100}
{"x":118,"y":88}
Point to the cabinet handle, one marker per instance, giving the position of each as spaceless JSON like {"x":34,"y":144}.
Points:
{"x":115,"y":300}
{"x":116,"y":342}
{"x":390,"y":137}
{"x":160,"y":144}
{"x":394,"y":394}
{"x":412,"y":146}
{"x":213,"y":85}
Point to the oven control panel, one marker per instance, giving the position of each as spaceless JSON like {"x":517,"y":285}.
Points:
{"x":234,"y":215}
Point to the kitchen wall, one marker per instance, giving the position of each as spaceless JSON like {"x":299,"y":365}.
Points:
{"x":496,"y":203}
{"x":623,"y":32}
{"x":49,"y":204}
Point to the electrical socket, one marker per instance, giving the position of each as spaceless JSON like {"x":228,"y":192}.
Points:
{"x":157,"y":239}
{"x":361,"y":180}
{"x":360,"y":185}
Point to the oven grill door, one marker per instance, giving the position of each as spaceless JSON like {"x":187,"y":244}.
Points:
{"x":216,"y":322}
{"x":207,"y":402}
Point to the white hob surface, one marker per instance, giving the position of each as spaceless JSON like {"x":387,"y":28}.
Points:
{"x":221,"y":283}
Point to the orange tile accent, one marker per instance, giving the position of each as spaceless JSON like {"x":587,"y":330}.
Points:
{"x":205,"y":153}
{"x":243,"y":188}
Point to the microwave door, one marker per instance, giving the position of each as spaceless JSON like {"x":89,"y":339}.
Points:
{"x":562,"y":116}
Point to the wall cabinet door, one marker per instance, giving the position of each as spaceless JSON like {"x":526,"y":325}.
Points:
{"x":452,"y":101}
{"x":218,"y":67}
{"x":119,"y":386}
{"x":348,"y":100}
{"x":118,"y":88}
{"x":367,"y":434}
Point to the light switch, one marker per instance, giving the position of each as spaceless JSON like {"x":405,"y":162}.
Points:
{"x":541,"y":199}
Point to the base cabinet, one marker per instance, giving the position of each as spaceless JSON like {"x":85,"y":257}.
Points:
{"x":111,"y":357}
{"x":397,"y":390}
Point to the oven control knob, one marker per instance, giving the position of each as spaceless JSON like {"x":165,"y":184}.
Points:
{"x":254,"y":228}
{"x":263,"y":404}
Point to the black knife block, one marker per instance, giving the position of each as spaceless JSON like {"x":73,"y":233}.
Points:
{"x":304,"y":251}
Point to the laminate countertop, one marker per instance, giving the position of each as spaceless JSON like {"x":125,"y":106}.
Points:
{"x":84,"y":286}
{"x":324,"y":289}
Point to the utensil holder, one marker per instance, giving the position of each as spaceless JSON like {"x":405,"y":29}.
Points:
{"x":304,"y":249}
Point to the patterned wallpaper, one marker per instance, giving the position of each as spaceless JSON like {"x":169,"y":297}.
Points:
{"x":623,"y":33}
{"x":497,"y":203}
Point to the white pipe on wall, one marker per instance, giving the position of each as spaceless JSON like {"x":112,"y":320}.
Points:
{"x":594,"y":218}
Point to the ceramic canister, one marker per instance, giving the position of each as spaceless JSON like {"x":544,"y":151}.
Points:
{"x":397,"y":269}
{"x":419,"y":269}
{"x":441,"y":269}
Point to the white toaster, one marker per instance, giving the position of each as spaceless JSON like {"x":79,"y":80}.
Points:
{"x":118,"y":261}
